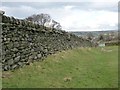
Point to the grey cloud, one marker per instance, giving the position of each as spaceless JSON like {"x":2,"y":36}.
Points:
{"x":37,"y":6}
{"x":101,"y":27}
{"x":108,"y":27}
{"x":78,"y":5}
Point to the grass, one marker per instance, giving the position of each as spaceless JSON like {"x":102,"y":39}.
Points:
{"x":77,"y":68}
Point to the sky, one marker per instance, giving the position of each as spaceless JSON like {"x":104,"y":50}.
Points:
{"x":79,"y":15}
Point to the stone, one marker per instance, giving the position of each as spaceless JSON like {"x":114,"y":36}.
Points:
{"x":16,"y":59}
{"x":14,"y":66}
{"x":10,"y":45}
{"x":35,"y":57}
{"x":16,"y":44}
{"x":30,"y":58}
{"x":10,"y":62}
{"x":45,"y":50}
{"x":20,"y":64}
{"x":31,"y":44}
{"x":5,"y":39}
{"x":8,"y":39}
{"x":14,"y":39}
{"x":22,"y":39}
{"x":6,"y":68}
{"x":2,"y":12}
{"x":14,"y":49}
{"x":39,"y":55}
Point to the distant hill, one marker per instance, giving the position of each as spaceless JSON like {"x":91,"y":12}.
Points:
{"x":95,"y":33}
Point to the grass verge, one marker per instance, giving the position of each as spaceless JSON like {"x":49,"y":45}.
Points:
{"x":76,"y":68}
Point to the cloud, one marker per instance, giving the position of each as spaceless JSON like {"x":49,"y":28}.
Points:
{"x":72,"y":16}
{"x":92,"y":20}
{"x":19,"y":12}
{"x":69,"y":7}
{"x":61,"y":1}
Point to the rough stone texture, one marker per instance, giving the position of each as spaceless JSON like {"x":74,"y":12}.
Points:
{"x":24,"y":42}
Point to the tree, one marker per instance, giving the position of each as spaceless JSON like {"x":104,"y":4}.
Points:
{"x":101,"y":37}
{"x":90,"y":36}
{"x":40,"y":19}
{"x":56,"y":25}
{"x":44,"y":20}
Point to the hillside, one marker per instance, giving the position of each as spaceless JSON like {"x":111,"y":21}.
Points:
{"x":95,"y":33}
{"x":76,"y":68}
{"x":109,"y":37}
{"x":24,"y":42}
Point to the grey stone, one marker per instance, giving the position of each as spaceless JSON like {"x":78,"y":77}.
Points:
{"x":14,"y":66}
{"x":31,"y":43}
{"x":8,"y":39}
{"x":30,"y":58}
{"x":45,"y":50}
{"x":39,"y":55}
{"x":10,"y":45}
{"x":16,"y":44}
{"x":35,"y":57}
{"x":5,"y":39}
{"x":20,"y":64}
{"x":23,"y":39}
{"x":14,"y":49}
{"x":6,"y":68}
{"x":17,"y":59}
{"x":10,"y":62}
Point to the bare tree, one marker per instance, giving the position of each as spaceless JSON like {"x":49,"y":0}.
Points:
{"x":90,"y":36}
{"x":56,"y":25}
{"x":101,"y":37}
{"x":44,"y":20}
{"x":40,"y":19}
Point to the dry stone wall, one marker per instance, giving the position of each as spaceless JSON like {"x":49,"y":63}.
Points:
{"x":24,"y":42}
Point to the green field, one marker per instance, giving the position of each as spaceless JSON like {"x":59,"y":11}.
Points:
{"x":76,"y":68}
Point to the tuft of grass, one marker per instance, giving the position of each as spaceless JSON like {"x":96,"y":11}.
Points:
{"x":76,"y":68}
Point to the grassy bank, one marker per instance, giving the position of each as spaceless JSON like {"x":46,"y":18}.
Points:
{"x":77,"y":68}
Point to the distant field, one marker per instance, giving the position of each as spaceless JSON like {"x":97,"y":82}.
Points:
{"x":77,"y":68}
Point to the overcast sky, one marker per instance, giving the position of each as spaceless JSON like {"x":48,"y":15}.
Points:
{"x":73,"y":16}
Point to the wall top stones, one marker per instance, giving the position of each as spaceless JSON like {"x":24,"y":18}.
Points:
{"x":2,"y":12}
